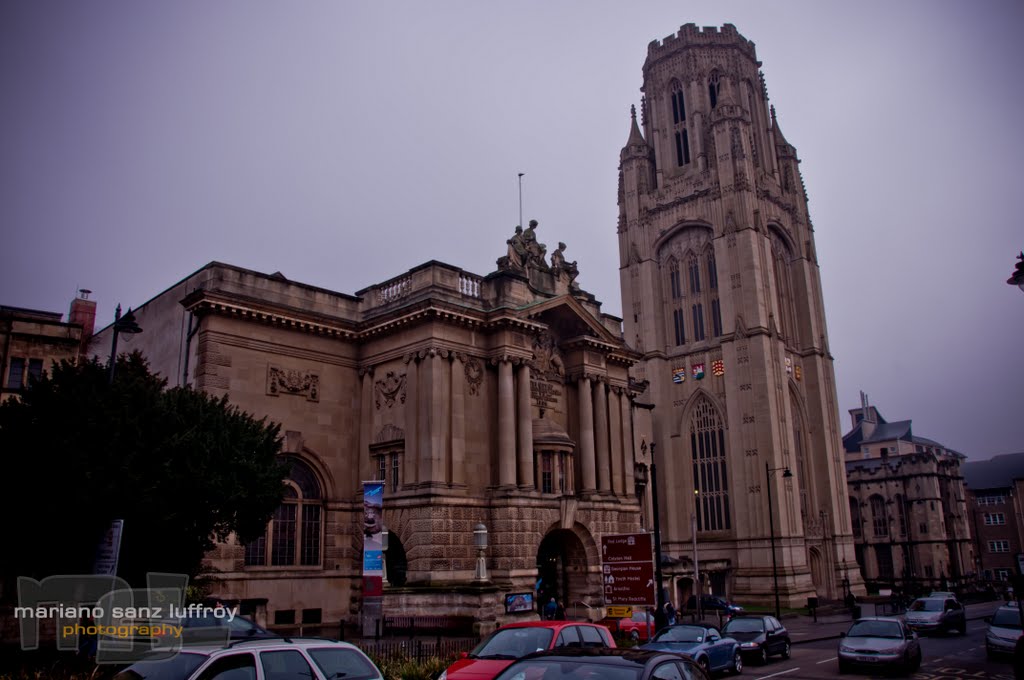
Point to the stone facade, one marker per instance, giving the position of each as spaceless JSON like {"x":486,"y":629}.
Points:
{"x":32,"y":340}
{"x":503,"y":400}
{"x":722,"y":297}
{"x":908,"y":505}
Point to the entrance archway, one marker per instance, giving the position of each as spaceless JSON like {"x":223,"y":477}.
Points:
{"x":561,"y":568}
{"x":817,"y":572}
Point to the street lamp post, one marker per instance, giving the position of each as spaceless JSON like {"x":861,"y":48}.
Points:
{"x":771,"y":527}
{"x":659,"y":598}
{"x":480,"y":541}
{"x":122,"y":324}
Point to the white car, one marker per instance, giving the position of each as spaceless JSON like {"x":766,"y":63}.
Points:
{"x":269,"y":659}
{"x":1004,"y":630}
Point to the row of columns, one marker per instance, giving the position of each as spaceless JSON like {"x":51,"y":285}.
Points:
{"x":606,"y":437}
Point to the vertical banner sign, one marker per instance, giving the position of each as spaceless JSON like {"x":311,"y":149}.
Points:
{"x":373,"y":544}
{"x":109,"y":549}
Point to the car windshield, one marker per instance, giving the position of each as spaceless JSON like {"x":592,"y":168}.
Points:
{"x":1007,"y":618}
{"x":926,"y":605}
{"x":640,"y":617}
{"x":178,"y":666}
{"x":563,"y":669}
{"x":744,"y":626}
{"x":681,"y":634}
{"x":513,"y":643}
{"x":878,"y":629}
{"x":336,"y":662}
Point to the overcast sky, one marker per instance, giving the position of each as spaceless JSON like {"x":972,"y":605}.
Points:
{"x":343,"y":143}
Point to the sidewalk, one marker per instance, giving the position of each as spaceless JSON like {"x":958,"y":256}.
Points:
{"x":802,"y":628}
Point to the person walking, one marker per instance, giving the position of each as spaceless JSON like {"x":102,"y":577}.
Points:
{"x":550,"y":609}
{"x":670,"y":613}
{"x":559,"y":611}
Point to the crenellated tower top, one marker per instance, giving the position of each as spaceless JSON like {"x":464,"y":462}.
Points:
{"x":690,"y":35}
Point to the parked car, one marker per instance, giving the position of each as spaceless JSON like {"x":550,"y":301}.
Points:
{"x":610,"y":664}
{"x":1003,"y":631}
{"x":703,"y":643}
{"x":270,"y":659}
{"x":942,"y":593}
{"x":640,"y":626}
{"x":759,"y":636}
{"x":714,"y":603}
{"x":935,"y":614}
{"x":879,"y":642}
{"x":514,"y":641}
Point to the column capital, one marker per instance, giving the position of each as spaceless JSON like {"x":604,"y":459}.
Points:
{"x":366,"y":370}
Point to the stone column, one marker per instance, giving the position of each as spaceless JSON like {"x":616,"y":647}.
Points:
{"x":457,"y":474}
{"x":424,"y":409}
{"x":412,"y":440}
{"x":366,"y":471}
{"x":506,"y":425}
{"x":587,"y":461}
{"x":524,"y":416}
{"x":433,"y":461}
{"x":604,"y":468}
{"x":615,"y":439}
{"x":629,"y":480}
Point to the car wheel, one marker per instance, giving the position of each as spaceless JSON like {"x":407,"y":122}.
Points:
{"x":786,"y":651}
{"x":737,"y":662}
{"x":635,"y":636}
{"x":704,"y":664}
{"x":762,"y":657}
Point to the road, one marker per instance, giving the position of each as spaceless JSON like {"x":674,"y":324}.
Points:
{"x":945,"y":657}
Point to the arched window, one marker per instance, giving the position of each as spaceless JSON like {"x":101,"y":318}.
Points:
{"x":714,"y":89}
{"x":782,"y":257}
{"x":716,"y":308}
{"x":901,"y":513}
{"x":710,"y":474}
{"x":855,"y":520}
{"x":676,"y":293}
{"x":879,"y":521}
{"x":293,"y":535}
{"x":682,"y":139}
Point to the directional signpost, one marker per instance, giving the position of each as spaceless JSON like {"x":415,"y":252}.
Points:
{"x":627,"y":569}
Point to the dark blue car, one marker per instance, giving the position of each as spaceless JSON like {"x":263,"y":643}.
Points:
{"x":701,"y":642}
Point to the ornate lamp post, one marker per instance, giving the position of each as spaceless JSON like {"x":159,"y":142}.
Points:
{"x":122,"y":324}
{"x":786,"y":474}
{"x":384,"y":550}
{"x":659,"y":598}
{"x":480,"y":541}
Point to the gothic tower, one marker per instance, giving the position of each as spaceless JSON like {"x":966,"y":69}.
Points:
{"x":722,"y":295}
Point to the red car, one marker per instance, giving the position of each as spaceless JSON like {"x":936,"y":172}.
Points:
{"x":499,"y":649}
{"x":639,"y":627}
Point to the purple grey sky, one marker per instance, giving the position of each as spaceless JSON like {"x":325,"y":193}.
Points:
{"x":344,"y":142}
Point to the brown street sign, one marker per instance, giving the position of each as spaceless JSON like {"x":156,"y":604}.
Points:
{"x":627,"y":570}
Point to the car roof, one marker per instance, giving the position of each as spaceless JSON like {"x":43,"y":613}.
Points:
{"x":261,"y":644}
{"x":607,"y":655}
{"x":879,"y":618}
{"x":548,"y":624}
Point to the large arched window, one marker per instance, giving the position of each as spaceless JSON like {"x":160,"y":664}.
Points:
{"x":293,"y":535}
{"x":782,"y":258}
{"x":714,"y":89}
{"x":879,"y":521}
{"x":710,"y":474}
{"x":682,"y":138}
{"x":676,"y":294}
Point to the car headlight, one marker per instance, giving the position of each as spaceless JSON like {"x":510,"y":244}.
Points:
{"x":845,"y":648}
{"x":749,"y":645}
{"x":891,"y":650}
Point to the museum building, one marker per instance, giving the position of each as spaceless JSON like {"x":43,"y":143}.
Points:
{"x":502,"y":400}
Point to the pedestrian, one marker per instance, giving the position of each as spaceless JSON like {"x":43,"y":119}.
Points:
{"x":670,"y":613}
{"x":550,"y":609}
{"x":559,"y":611}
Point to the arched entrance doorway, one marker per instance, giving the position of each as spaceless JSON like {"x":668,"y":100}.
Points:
{"x":817,"y":572}
{"x":561,"y":568}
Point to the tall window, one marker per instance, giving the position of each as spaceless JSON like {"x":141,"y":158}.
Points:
{"x":16,"y":373}
{"x":782,"y":258}
{"x":693,"y":267}
{"x":716,"y":318}
{"x":673,"y":276}
{"x":855,"y":521}
{"x":293,"y":535}
{"x":901,"y":514}
{"x":680,"y":329}
{"x":675,"y":284}
{"x":698,"y":322}
{"x":35,"y":369}
{"x":880,"y":522}
{"x":547,"y":472}
{"x":714,"y":89}
{"x":682,"y":139}
{"x":707,"y":444}
{"x":389,"y":464}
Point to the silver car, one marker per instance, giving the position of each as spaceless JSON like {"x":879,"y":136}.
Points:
{"x":1003,"y":631}
{"x":936,"y":614}
{"x":879,"y":642}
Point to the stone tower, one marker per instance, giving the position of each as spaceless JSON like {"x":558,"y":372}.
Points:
{"x":722,"y":295}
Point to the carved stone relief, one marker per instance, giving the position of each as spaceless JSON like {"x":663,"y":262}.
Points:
{"x":390,"y":388}
{"x":474,"y":372}
{"x":547,"y":359}
{"x":291,"y":381}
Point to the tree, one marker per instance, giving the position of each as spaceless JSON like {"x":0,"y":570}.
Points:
{"x":181,"y":468}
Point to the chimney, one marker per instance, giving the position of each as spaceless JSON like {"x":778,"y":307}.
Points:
{"x":868,"y":420}
{"x":83,"y":312}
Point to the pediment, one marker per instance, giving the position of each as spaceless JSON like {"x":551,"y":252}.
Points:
{"x":567,"y":318}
